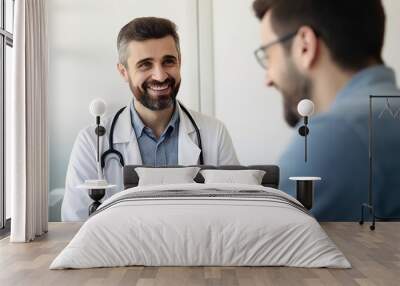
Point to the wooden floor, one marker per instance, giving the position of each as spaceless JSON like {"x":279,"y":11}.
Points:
{"x":375,"y":257}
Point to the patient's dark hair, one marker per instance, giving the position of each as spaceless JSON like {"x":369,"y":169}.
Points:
{"x":142,"y":29}
{"x":353,"y":30}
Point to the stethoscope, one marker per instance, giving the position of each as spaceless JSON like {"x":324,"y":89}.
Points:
{"x":111,"y":149}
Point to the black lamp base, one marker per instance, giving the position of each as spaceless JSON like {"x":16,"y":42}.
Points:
{"x":305,"y":193}
{"x":303,"y":130}
{"x":96,"y":195}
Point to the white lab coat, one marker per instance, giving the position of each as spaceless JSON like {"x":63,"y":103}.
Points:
{"x":217,"y":150}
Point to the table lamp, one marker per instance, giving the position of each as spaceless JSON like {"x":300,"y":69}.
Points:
{"x":97,"y":108}
{"x":305,"y":109}
{"x":97,"y":187}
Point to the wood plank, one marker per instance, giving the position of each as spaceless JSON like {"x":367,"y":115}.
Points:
{"x":375,"y":257}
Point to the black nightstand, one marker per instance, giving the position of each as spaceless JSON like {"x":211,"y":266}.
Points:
{"x":96,"y":190}
{"x":305,"y":190}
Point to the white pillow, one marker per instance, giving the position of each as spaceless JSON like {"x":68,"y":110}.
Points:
{"x":248,"y":177}
{"x":165,"y":176}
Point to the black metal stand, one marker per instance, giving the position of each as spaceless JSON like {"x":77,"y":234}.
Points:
{"x":370,"y":204}
{"x":371,"y":211}
{"x":305,"y":193}
{"x":96,"y":195}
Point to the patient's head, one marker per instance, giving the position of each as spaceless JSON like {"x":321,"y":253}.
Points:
{"x":150,"y":61}
{"x":311,"y":47}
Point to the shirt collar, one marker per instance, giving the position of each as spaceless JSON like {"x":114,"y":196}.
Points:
{"x":139,"y":126}
{"x":174,"y":122}
{"x":137,"y":123}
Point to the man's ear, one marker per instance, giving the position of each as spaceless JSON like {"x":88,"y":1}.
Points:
{"x":305,"y":47}
{"x":123,"y":71}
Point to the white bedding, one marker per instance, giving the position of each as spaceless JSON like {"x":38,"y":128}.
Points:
{"x":190,"y":230}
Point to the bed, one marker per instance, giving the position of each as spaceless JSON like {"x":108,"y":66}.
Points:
{"x":201,"y":224}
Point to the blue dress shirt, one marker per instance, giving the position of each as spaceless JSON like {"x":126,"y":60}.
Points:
{"x":338,"y":151}
{"x":155,"y":152}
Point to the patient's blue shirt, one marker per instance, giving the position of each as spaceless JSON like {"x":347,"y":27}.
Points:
{"x":338,"y":150}
{"x":157,"y":152}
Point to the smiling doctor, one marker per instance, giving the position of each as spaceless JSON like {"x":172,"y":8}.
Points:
{"x":153,"y":130}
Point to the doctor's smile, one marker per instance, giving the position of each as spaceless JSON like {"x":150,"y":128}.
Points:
{"x":159,"y":88}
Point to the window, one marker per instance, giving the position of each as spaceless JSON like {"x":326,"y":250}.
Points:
{"x":6,"y":45}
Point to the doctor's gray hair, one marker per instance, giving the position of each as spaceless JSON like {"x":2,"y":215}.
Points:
{"x":142,"y":29}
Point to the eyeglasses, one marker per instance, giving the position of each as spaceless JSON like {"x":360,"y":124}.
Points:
{"x":261,"y":54}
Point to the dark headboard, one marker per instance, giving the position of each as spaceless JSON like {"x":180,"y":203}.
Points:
{"x":270,"y":179}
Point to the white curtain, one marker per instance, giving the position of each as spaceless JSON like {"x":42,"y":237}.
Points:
{"x":28,"y":123}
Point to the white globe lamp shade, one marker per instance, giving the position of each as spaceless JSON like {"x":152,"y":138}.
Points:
{"x":97,"y":107}
{"x":305,"y":107}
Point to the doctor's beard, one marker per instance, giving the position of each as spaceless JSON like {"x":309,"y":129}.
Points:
{"x":159,"y":102}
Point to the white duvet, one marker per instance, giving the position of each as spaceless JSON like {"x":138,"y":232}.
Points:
{"x":207,"y":230}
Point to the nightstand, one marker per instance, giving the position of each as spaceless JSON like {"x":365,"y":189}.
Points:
{"x":305,"y":190}
{"x":96,"y":190}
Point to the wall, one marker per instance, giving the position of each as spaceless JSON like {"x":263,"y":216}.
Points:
{"x":391,"y":49}
{"x":83,"y":57}
{"x":252,"y":112}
